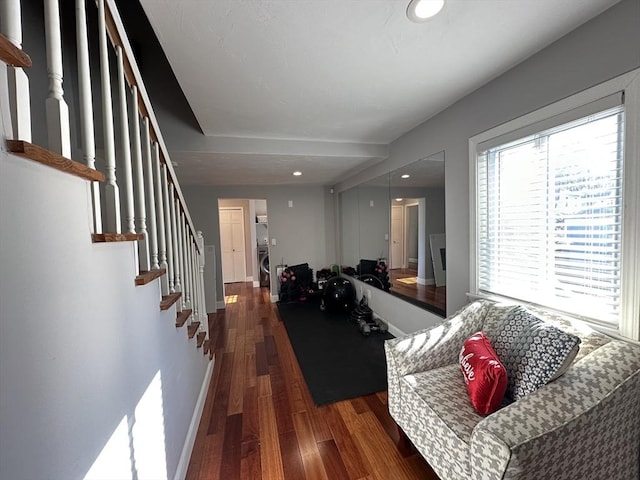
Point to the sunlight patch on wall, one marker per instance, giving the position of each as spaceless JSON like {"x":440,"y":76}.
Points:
{"x":148,"y":433}
{"x":138,"y":453}
{"x":113,"y":461}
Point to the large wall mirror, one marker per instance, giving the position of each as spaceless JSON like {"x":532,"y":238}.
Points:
{"x":398,"y":220}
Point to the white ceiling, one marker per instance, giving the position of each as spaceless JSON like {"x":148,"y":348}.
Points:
{"x":329,"y":76}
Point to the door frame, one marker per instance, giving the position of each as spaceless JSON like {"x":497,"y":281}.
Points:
{"x":244,"y":233}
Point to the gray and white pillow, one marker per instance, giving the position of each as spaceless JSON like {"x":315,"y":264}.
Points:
{"x":532,"y":351}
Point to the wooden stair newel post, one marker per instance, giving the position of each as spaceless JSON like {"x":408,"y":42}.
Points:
{"x":57,"y":111}
{"x":140,"y":205}
{"x":112,"y":195}
{"x":18,"y":82}
{"x":148,"y":171}
{"x":162,"y":242}
{"x":86,"y":108}
{"x":125,"y":151}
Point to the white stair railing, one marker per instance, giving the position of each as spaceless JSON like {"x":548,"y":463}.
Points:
{"x":154,"y":209}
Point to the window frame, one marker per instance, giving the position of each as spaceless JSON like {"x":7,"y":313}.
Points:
{"x":628,"y":85}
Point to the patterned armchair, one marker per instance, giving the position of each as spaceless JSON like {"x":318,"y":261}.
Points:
{"x":583,"y":425}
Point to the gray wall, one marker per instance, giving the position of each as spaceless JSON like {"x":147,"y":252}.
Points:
{"x":301,"y":232}
{"x":597,"y":51}
{"x":82,"y":349}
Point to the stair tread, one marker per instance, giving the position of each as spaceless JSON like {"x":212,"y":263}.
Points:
{"x":145,"y":277}
{"x":169,"y":300}
{"x":54,"y":160}
{"x":116,"y":237}
{"x":182,"y":317}
{"x":12,"y":55}
{"x":192,"y":329}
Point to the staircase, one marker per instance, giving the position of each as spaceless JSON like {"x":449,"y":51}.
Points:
{"x":138,"y":197}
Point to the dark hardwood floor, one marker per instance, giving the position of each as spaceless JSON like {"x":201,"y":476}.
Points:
{"x":259,"y":421}
{"x":430,"y":294}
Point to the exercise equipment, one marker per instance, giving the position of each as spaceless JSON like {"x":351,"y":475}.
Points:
{"x":338,"y":294}
{"x":367,"y":323}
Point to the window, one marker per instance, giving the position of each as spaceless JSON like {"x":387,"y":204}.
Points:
{"x":550,"y":200}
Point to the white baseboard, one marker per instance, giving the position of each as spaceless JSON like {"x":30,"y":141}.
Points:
{"x":274,"y":298}
{"x":426,"y":281}
{"x":256,"y":284}
{"x":412,"y":260}
{"x":393,"y":330}
{"x":220,"y":305}
{"x":187,"y":449}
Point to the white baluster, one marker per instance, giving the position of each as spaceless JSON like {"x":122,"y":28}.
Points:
{"x":59,"y":133}
{"x":169,"y":227}
{"x":86,"y":108}
{"x":112,"y":195}
{"x":141,"y":209}
{"x":175,"y":230}
{"x":162,"y":243}
{"x":125,"y":150}
{"x":182,"y":256}
{"x":18,"y":83}
{"x":148,"y":172}
{"x":201,"y":264}
{"x":194,"y":294}
{"x":187,"y":263}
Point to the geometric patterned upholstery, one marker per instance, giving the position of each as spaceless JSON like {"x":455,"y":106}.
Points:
{"x":585,"y":425}
{"x":441,"y":394}
{"x":532,"y":351}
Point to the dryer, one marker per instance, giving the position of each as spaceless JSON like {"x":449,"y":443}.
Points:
{"x":263,"y":263}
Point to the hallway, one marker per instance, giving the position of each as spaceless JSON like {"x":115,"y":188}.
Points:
{"x":259,"y":421}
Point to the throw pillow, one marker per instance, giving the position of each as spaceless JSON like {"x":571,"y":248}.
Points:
{"x":485,"y":376}
{"x":533,"y":352}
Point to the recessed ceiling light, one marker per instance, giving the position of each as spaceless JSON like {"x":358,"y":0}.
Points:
{"x":297,"y":173}
{"x":406,"y":175}
{"x":423,"y":10}
{"x":398,"y":199}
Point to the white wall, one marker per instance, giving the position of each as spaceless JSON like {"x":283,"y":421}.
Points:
{"x":79,"y":343}
{"x":301,"y":231}
{"x":597,"y":51}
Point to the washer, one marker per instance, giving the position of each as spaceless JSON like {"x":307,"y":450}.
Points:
{"x":263,"y":261}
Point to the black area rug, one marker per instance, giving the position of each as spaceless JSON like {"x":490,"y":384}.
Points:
{"x":337,"y":361}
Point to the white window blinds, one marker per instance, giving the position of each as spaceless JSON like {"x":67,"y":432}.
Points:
{"x":550,"y":216}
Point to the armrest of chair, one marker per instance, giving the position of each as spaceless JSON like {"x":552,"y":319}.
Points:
{"x":430,"y":348}
{"x":586,"y":424}
{"x":437,"y":346}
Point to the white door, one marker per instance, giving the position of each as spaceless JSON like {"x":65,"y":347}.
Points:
{"x":397,"y":236}
{"x":232,"y":244}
